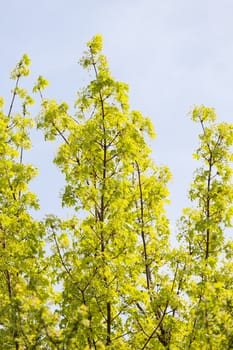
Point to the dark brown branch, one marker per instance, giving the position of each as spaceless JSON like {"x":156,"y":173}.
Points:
{"x":13,"y":96}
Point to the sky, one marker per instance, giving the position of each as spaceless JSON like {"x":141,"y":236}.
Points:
{"x":173,"y":54}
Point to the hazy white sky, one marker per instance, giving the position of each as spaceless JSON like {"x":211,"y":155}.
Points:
{"x":172,"y":53}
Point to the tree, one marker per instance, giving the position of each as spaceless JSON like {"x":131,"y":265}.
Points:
{"x":106,"y":262}
{"x":22,"y":265}
{"x":207,"y":286}
{"x":107,"y":278}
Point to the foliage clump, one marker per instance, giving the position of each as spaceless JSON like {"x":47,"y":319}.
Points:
{"x":107,"y":278}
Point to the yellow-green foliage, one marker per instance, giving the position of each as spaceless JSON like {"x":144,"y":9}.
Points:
{"x":107,"y":278}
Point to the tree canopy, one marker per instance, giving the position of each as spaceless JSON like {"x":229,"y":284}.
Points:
{"x":108,"y":277}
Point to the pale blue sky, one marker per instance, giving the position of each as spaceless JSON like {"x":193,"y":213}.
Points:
{"x":172,"y":53}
